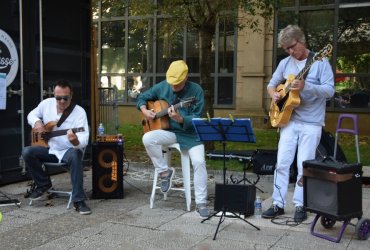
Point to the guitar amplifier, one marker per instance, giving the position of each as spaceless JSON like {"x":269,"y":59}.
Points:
{"x":107,"y":171}
{"x":332,"y":188}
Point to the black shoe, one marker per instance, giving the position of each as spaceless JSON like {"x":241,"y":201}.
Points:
{"x":273,"y":211}
{"x":81,"y":207}
{"x":167,"y":181}
{"x":300,"y":214}
{"x":37,"y":193}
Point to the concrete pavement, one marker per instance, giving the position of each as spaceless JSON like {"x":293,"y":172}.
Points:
{"x":129,"y":223}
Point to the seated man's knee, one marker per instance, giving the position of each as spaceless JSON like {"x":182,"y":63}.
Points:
{"x":198,"y":163}
{"x":75,"y":155}
{"x":147,"y":139}
{"x":27,"y":152}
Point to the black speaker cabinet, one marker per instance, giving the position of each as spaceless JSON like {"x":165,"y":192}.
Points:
{"x":332,"y":189}
{"x":235,"y":198}
{"x":107,"y":170}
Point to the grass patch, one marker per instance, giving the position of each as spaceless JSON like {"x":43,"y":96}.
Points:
{"x":265,"y":139}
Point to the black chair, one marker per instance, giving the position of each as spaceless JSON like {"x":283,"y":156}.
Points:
{"x":63,"y":165}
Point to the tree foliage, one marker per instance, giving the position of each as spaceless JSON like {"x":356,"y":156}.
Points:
{"x":203,"y":16}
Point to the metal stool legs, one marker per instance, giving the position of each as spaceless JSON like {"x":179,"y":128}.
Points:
{"x":185,"y":165}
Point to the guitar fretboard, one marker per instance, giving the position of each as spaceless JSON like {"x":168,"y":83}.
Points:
{"x":176,"y":106}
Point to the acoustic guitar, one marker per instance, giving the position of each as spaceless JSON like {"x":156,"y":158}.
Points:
{"x":160,"y":120}
{"x":42,"y":138}
{"x":281,"y":111}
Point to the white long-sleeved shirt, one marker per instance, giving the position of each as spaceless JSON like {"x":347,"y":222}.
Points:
{"x":46,"y":111}
{"x":319,"y":87}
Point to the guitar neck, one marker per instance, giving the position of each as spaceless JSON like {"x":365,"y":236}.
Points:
{"x":301,"y":73}
{"x":63,"y":132}
{"x":306,"y":68}
{"x":165,"y":111}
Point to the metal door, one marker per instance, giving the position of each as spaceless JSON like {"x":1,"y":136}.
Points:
{"x":52,"y":40}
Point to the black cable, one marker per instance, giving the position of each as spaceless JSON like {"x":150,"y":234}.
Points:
{"x":287,"y":221}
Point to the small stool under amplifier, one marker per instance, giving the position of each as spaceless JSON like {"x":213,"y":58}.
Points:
{"x":107,"y":170}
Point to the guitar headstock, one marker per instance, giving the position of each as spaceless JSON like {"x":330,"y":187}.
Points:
{"x":324,"y":52}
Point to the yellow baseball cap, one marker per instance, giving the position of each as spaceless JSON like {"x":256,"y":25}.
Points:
{"x":177,"y":72}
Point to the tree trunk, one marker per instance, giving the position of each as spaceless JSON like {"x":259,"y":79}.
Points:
{"x":206,"y":81}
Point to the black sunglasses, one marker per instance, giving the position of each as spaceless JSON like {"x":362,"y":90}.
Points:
{"x":65,"y":98}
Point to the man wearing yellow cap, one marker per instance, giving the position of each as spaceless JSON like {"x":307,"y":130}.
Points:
{"x":175,"y":89}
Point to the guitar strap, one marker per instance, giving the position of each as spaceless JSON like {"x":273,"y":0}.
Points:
{"x":66,"y":113}
{"x":309,"y":58}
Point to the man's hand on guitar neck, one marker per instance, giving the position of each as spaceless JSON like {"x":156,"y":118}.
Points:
{"x":174,"y":115}
{"x":72,"y":137}
{"x":297,"y":84}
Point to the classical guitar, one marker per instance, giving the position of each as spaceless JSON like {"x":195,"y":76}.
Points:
{"x":161,"y":117}
{"x":42,"y":138}
{"x":281,"y":111}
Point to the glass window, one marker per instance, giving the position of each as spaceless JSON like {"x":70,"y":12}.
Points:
{"x":225,"y":90}
{"x":113,"y":8}
{"x":353,"y":58}
{"x":315,"y":2}
{"x":192,"y":50}
{"x":285,"y":18}
{"x":113,"y":47}
{"x":354,"y":1}
{"x":226,"y":47}
{"x":318,"y":27}
{"x":136,"y":85}
{"x":115,"y":81}
{"x":95,"y":9}
{"x":137,"y":46}
{"x":286,"y":3}
{"x":140,"y":46}
{"x":349,"y":33}
{"x":170,"y":43}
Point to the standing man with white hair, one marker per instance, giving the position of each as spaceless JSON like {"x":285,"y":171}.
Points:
{"x":174,"y":89}
{"x":303,"y":131}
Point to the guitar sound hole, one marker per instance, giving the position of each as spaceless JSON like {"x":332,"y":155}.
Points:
{"x":281,"y":103}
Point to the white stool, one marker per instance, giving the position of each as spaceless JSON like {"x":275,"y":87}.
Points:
{"x":185,"y":165}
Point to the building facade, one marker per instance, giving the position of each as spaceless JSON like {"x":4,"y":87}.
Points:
{"x":133,"y":52}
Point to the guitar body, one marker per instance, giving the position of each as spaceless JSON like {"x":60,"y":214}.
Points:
{"x":37,"y":139}
{"x":41,"y":138}
{"x":157,"y":123}
{"x":281,"y":111}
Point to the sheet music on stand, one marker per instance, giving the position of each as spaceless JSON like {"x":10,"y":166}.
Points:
{"x":222,"y":130}
{"x":236,"y":130}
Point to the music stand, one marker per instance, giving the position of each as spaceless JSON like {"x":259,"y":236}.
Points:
{"x":224,"y":129}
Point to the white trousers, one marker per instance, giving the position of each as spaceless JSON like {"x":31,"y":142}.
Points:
{"x":153,"y":142}
{"x":307,"y":138}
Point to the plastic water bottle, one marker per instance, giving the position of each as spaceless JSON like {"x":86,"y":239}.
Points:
{"x":101,"y":129}
{"x":258,"y":208}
